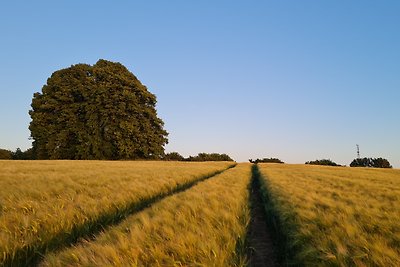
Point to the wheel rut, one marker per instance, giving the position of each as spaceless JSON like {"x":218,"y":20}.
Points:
{"x":261,"y":246}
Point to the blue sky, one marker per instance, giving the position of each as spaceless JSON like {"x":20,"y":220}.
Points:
{"x":297,"y":80}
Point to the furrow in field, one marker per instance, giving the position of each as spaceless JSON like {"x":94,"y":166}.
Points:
{"x":203,"y":226}
{"x":50,"y":205}
{"x":260,"y":239}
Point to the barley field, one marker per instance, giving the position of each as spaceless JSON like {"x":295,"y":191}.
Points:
{"x":334,"y":216}
{"x":47,"y":204}
{"x":203,"y":226}
{"x":148,"y":213}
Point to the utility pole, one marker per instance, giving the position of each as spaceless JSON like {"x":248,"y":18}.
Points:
{"x":358,"y":151}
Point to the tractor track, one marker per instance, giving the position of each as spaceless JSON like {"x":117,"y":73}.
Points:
{"x":261,"y":246}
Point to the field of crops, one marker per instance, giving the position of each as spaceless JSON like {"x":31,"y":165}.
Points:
{"x":334,"y":216}
{"x":143,"y":213}
{"x":45,"y":205}
{"x":203,"y":226}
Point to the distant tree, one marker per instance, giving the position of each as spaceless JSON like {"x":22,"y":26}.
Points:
{"x":371,"y":162}
{"x":361,"y":162}
{"x":381,"y":163}
{"x":28,"y":154}
{"x":325,"y":162}
{"x":22,"y":155}
{"x":173,"y":156}
{"x":266,"y":160}
{"x":210,"y":157}
{"x":5,"y":154}
{"x":96,"y":112}
{"x":18,"y":154}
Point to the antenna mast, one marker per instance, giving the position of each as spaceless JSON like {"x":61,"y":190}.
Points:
{"x":358,"y":151}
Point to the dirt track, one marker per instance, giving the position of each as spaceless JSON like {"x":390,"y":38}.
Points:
{"x":261,"y":246}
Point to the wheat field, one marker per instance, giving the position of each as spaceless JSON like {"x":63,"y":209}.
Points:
{"x":203,"y":226}
{"x":147,"y":213}
{"x":45,"y":204}
{"x":335,"y":216}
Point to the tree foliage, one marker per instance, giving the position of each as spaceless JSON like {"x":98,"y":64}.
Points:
{"x":210,"y":157}
{"x":18,"y":154}
{"x":96,"y":112}
{"x":5,"y":154}
{"x":266,"y":160}
{"x":325,"y":162}
{"x":371,"y":162}
{"x":173,"y":156}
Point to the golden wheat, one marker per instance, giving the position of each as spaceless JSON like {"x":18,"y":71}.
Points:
{"x":337,"y":216}
{"x":203,"y":226}
{"x":45,"y":202}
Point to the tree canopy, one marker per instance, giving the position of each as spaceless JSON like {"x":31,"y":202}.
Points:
{"x":324,"y":162}
{"x":96,"y":112}
{"x":173,"y":156}
{"x":5,"y":154}
{"x":209,"y":157}
{"x":371,"y":162}
{"x":18,"y":154}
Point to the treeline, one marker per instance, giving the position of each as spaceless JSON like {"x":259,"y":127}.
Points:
{"x":175,"y":156}
{"x":18,"y":154}
{"x":359,"y":162}
{"x":324,"y":162}
{"x":266,"y":160}
{"x":371,"y":162}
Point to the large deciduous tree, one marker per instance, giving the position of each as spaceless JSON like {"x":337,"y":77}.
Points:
{"x":96,"y":112}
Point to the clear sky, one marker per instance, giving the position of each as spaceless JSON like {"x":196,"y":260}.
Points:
{"x":297,"y":80}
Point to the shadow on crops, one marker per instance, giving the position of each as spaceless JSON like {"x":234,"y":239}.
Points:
{"x":31,"y":255}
